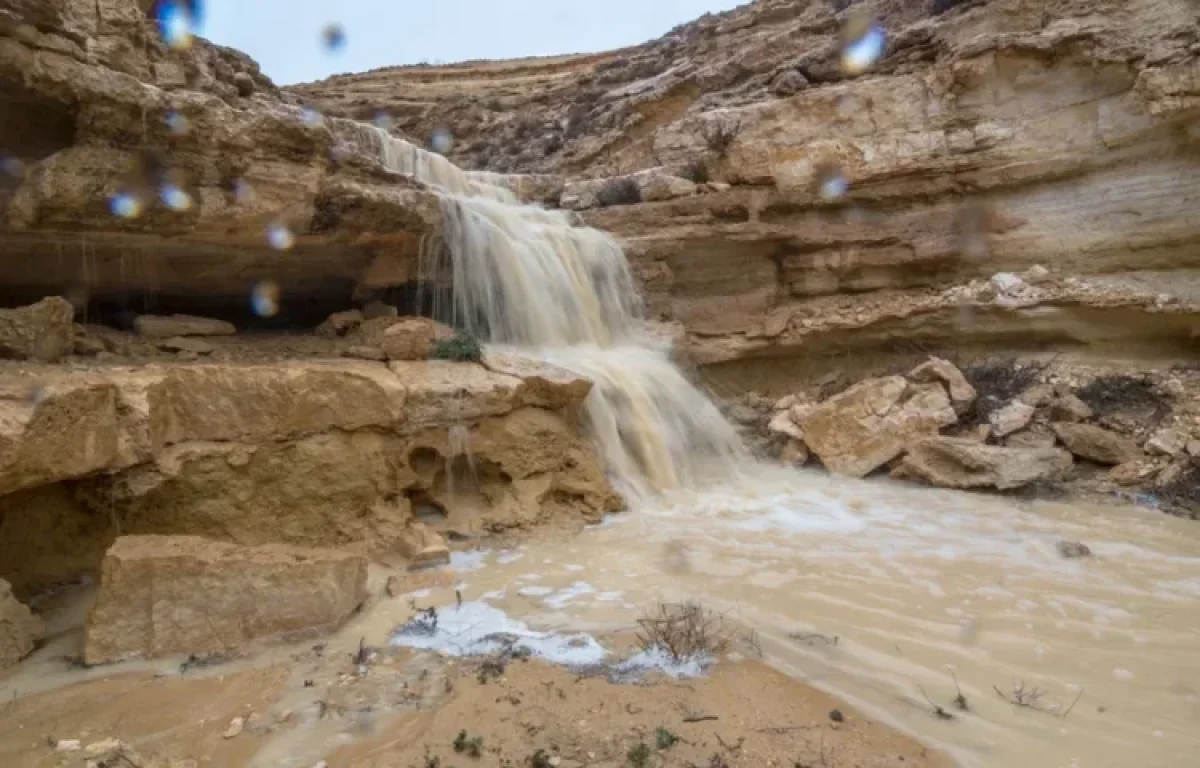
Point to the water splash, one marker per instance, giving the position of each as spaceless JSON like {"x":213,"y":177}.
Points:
{"x":528,"y":277}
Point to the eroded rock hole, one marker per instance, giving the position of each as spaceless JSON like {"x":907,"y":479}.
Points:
{"x":426,"y":509}
{"x":425,"y":461}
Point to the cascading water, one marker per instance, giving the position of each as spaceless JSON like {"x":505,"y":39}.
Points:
{"x":527,"y":277}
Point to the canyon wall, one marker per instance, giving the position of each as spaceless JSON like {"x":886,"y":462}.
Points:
{"x":788,"y":211}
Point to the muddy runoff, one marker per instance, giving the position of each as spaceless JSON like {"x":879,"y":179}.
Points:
{"x":900,"y":600}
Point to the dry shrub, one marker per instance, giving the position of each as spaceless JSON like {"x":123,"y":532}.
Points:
{"x":997,"y":383}
{"x":1181,"y":496}
{"x":685,"y":631}
{"x":619,"y":191}
{"x":1130,"y":396}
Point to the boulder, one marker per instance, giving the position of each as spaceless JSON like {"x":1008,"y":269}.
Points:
{"x":788,"y":83}
{"x":1036,"y":436}
{"x":869,"y":424}
{"x":935,"y":369}
{"x":1072,"y":549}
{"x":166,"y":326}
{"x":1011,"y":418}
{"x":1167,"y":442}
{"x":1096,"y":443}
{"x":400,"y":338}
{"x":545,"y":385}
{"x":340,"y":323}
{"x":782,"y":424}
{"x":422,"y":546}
{"x":44,"y":331}
{"x":19,"y":629}
{"x":446,"y":391}
{"x":794,"y":453}
{"x":656,"y":184}
{"x":1068,"y":407}
{"x":165,"y":595}
{"x":956,"y":462}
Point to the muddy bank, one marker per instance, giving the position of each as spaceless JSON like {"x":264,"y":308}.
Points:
{"x":355,"y":701}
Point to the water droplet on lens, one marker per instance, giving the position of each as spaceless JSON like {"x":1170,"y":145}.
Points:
{"x":971,"y":224}
{"x":334,"y":37}
{"x":125,"y":205}
{"x":177,"y":123}
{"x":863,"y":42}
{"x":77,"y":294}
{"x":38,"y":393}
{"x":264,"y":299}
{"x":280,"y":237}
{"x":12,"y":166}
{"x":175,"y":198}
{"x":310,"y":117}
{"x":242,"y":191}
{"x":177,"y":21}
{"x":441,"y":141}
{"x":832,"y":183}
{"x":383,"y":120}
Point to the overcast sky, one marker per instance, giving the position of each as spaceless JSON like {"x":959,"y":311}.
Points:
{"x":284,"y":36}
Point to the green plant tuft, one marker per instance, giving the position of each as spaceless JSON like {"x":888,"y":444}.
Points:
{"x":463,"y":348}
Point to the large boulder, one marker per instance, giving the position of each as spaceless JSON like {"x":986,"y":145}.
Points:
{"x":868,"y":425}
{"x":163,"y":595}
{"x":957,"y":462}
{"x":1097,"y":444}
{"x":44,"y":331}
{"x":19,"y":629}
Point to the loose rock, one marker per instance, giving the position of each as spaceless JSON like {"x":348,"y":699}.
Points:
{"x":962,"y":394}
{"x":1072,"y":549}
{"x":1096,"y":443}
{"x":165,"y":327}
{"x":955,"y":462}
{"x":19,"y":628}
{"x":1012,"y":417}
{"x":44,"y":331}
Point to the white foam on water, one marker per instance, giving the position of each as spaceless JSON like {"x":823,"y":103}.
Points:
{"x":472,"y":560}
{"x":478,"y":629}
{"x":563,"y":597}
{"x":535,"y":591}
{"x":657,"y":659}
{"x":508,"y":556}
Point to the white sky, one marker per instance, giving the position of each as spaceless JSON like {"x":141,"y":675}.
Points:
{"x":284,"y":36}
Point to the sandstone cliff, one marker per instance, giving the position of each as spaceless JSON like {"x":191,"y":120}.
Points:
{"x":990,"y":137}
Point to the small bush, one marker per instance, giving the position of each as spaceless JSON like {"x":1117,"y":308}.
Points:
{"x":719,"y":136}
{"x":619,"y":191}
{"x":639,"y":756}
{"x":684,"y":631}
{"x":472,"y":746}
{"x":996,"y":383}
{"x":462,"y":348}
{"x":696,"y":171}
{"x":1135,"y":397}
{"x":664,"y":739}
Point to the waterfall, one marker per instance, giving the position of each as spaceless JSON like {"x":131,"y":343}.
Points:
{"x":527,"y":277}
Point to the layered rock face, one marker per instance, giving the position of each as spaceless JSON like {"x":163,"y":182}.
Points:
{"x":320,"y":453}
{"x":1053,"y":144}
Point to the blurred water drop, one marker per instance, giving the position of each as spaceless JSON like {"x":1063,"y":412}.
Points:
{"x":964,"y":317}
{"x":441,"y":141}
{"x":863,"y":42}
{"x":310,"y":116}
{"x":178,"y":21}
{"x":280,"y":237}
{"x":175,"y":198}
{"x":126,"y":205}
{"x":383,"y":120}
{"x":334,"y":37}
{"x":971,"y":227}
{"x":177,"y":123}
{"x":77,"y":294}
{"x":12,"y":166}
{"x":831,"y":182}
{"x":264,"y":298}
{"x":38,"y":393}
{"x":243,"y":193}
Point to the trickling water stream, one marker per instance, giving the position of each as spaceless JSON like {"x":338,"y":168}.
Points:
{"x":915,"y":584}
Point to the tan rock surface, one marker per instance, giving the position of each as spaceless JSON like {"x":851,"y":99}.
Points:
{"x":44,"y":331}
{"x":19,"y":629}
{"x":955,"y":462}
{"x":1097,"y":444}
{"x":163,"y":595}
{"x":545,"y":385}
{"x":1011,"y":418}
{"x":962,"y":394}
{"x":868,"y":425}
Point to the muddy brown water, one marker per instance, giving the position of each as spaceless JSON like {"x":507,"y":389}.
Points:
{"x":886,"y":595}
